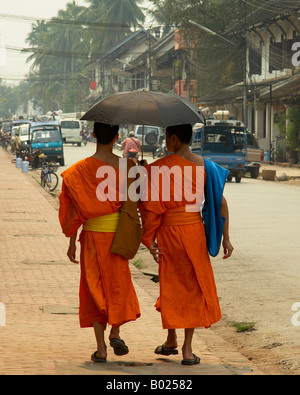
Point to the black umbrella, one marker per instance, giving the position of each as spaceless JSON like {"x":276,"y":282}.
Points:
{"x":144,"y":108}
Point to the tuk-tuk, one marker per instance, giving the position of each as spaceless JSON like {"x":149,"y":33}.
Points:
{"x":46,"y":136}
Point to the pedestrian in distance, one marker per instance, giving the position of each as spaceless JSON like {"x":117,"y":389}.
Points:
{"x":107,"y":295}
{"x":131,"y":145}
{"x":175,"y":236}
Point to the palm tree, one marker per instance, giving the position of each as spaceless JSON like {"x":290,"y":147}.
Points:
{"x":37,"y":39}
{"x":65,"y":35}
{"x":162,"y":13}
{"x":112,"y":21}
{"x":58,"y":53}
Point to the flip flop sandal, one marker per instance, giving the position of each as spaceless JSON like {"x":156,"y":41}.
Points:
{"x":97,"y":359}
{"x":119,"y":346}
{"x":194,"y":361}
{"x":163,"y":350}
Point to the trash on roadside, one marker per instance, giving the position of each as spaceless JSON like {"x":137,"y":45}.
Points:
{"x":282,"y":177}
{"x":269,"y":175}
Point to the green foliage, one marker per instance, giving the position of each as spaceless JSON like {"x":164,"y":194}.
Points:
{"x":61,"y":48}
{"x":115,"y":19}
{"x":293,"y":131}
{"x":11,"y":98}
{"x":244,"y":326}
{"x":214,"y":62}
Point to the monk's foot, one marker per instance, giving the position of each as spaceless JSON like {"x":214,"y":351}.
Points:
{"x":100,"y":355}
{"x":171,"y":339}
{"x":187,"y":354}
{"x":114,"y":333}
{"x":171,"y":344}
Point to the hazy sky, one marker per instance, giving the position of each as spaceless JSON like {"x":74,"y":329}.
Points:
{"x":13,"y":32}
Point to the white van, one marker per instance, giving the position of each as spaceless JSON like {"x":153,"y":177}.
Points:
{"x":71,"y":130}
{"x":23,"y":133}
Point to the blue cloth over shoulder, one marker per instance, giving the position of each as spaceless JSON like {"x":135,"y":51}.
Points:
{"x":213,"y":221}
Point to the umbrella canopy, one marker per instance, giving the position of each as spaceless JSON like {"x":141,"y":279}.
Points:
{"x":144,"y":108}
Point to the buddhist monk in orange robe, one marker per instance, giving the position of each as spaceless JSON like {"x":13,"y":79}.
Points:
{"x":107,"y":295}
{"x":175,"y":237}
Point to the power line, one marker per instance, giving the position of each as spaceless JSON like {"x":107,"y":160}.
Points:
{"x":82,"y":23}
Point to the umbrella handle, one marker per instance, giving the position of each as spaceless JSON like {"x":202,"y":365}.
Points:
{"x":143,"y":135}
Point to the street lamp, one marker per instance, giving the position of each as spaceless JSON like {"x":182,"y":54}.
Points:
{"x":211,"y":32}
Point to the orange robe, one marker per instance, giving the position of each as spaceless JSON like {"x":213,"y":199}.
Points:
{"x":188,"y":295}
{"x":106,"y":291}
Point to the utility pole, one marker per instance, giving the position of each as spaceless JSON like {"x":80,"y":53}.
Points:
{"x":242,"y":21}
{"x":149,"y":71}
{"x":244,"y":63}
{"x":188,"y":68}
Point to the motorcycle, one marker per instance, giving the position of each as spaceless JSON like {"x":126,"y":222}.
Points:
{"x":84,"y":139}
{"x":118,"y":144}
{"x":133,"y":153}
{"x":35,"y":159}
{"x":5,"y":140}
{"x":161,"y":150}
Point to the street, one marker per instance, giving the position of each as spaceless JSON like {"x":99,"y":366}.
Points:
{"x":260,"y":282}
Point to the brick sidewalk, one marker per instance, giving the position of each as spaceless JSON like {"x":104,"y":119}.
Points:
{"x":39,"y":288}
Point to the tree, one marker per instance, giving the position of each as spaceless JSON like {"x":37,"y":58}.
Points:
{"x":62,"y":46}
{"x":112,"y":21}
{"x":162,"y":12}
{"x":58,"y":55}
{"x":214,"y":63}
{"x":37,"y":39}
{"x":11,"y":98}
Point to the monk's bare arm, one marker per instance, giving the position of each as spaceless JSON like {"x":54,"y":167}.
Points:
{"x":72,"y":249}
{"x":227,"y":246}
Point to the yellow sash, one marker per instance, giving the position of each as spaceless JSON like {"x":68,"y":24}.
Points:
{"x":104,"y":223}
{"x":179,"y":216}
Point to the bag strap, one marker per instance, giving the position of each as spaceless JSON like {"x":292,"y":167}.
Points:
{"x":129,"y":204}
{"x":135,"y":143}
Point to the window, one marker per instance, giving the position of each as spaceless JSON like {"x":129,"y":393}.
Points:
{"x":70,"y":125}
{"x":255,"y":60}
{"x":147,"y":129}
{"x":275,"y":57}
{"x":24,"y":131}
{"x":45,"y":135}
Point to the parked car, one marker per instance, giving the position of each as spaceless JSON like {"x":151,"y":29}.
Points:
{"x":152,"y":135}
{"x":46,"y":136}
{"x":71,"y":130}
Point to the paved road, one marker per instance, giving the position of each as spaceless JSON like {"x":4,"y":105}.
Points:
{"x":261,"y":282}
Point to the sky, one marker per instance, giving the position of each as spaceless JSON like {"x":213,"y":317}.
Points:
{"x":13,"y":32}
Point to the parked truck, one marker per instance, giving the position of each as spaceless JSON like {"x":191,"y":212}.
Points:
{"x":223,"y":142}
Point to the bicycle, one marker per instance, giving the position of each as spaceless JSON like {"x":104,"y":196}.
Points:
{"x":49,"y":178}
